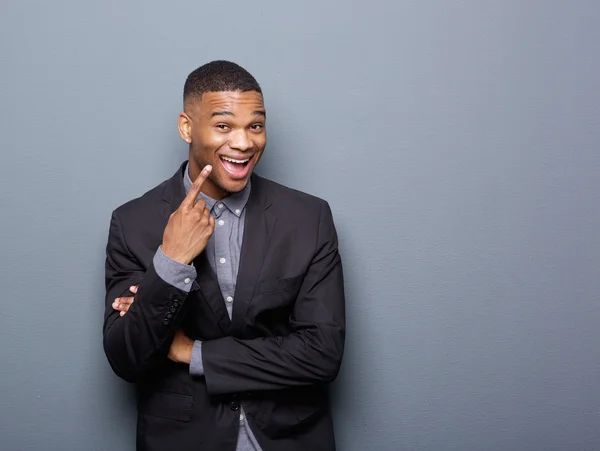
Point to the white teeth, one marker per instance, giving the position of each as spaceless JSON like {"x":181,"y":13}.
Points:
{"x":236,"y":161}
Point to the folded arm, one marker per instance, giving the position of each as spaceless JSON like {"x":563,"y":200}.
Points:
{"x":311,"y":354}
{"x":135,"y":342}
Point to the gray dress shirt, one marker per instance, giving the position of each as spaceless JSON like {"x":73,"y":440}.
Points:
{"x":223,"y":252}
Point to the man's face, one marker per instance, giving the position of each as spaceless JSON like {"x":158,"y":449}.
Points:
{"x":227,"y":131}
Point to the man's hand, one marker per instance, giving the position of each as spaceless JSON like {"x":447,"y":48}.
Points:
{"x":190,"y":226}
{"x":122,"y":304}
{"x":181,"y":348}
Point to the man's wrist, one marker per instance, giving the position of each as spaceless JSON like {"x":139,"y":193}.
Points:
{"x":174,"y":256}
{"x":186,"y":353}
{"x":181,"y":348}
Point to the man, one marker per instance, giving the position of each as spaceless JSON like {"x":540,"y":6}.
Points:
{"x":224,"y":291}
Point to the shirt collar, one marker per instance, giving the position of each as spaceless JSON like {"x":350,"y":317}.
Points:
{"x":235,"y":202}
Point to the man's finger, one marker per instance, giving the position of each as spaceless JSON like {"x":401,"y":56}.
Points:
{"x":122,"y":303}
{"x":190,"y":199}
{"x":125,"y":299}
{"x":122,"y":308}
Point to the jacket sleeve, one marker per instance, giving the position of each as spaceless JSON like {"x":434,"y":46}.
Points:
{"x":140,"y":340}
{"x":311,"y":354}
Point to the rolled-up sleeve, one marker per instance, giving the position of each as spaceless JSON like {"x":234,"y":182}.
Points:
{"x":196,"y":366}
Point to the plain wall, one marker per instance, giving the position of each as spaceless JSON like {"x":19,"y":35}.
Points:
{"x":456,"y":141}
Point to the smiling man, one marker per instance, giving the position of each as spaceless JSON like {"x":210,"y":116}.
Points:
{"x":224,"y":291}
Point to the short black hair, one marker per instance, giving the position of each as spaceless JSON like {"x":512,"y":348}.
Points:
{"x":219,"y":76}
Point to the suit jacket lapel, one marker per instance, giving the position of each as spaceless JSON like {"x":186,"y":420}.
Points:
{"x":258,"y":228}
{"x":206,"y":285}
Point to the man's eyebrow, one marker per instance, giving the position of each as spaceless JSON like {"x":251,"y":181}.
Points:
{"x":229,"y":113}
{"x":222,"y":113}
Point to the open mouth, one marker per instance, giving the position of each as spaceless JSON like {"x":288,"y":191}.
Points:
{"x":236,"y":168}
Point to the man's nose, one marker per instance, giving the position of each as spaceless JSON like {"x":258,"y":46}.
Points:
{"x":240,"y":140}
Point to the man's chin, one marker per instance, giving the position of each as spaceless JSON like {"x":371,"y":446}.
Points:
{"x":234,"y":185}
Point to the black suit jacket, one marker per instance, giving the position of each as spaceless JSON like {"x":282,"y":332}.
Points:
{"x":277,"y":354}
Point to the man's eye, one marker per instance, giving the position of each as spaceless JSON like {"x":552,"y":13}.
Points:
{"x":222,"y":126}
{"x":257,"y":127}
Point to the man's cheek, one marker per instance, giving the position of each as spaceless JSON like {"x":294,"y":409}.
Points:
{"x":214,"y":139}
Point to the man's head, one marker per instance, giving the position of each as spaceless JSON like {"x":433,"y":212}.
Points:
{"x":223,"y":120}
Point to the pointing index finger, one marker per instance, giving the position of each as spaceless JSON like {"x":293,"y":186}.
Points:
{"x":190,"y":199}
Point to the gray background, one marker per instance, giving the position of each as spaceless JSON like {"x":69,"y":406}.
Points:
{"x":455,"y":140}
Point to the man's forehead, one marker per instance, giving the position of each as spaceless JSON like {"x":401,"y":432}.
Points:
{"x":230,"y":101}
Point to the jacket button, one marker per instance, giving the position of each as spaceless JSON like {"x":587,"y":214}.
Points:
{"x":234,"y":405}
{"x":166,"y":322}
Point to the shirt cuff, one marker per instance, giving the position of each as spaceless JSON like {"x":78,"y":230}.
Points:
{"x":196,"y":366}
{"x":173,"y":272}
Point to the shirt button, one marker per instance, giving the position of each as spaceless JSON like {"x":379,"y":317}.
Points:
{"x":238,"y":211}
{"x":220,"y":205}
{"x":222,"y":260}
{"x":187,"y":280}
{"x":241,"y":417}
{"x":221,"y":222}
{"x":229,"y":299}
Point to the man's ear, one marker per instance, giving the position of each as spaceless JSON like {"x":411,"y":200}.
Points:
{"x":184,"y":123}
